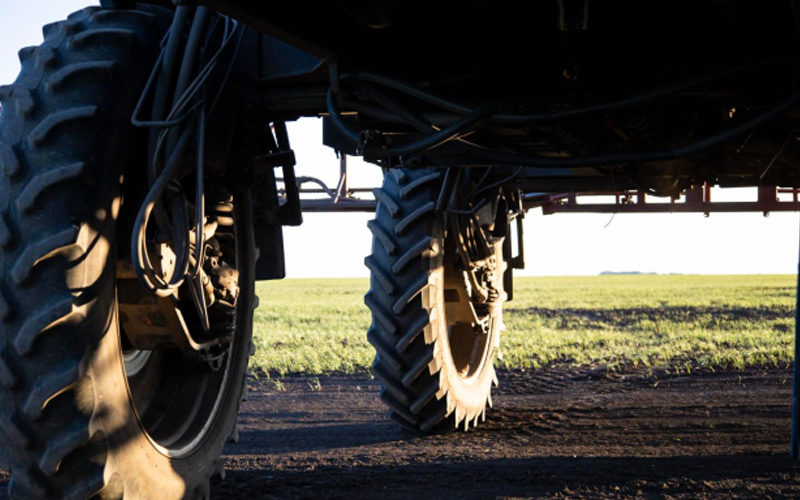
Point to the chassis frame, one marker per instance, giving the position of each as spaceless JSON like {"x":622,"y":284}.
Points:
{"x":298,"y":59}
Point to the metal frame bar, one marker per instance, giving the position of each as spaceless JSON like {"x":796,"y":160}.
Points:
{"x":696,"y":200}
{"x":341,"y":199}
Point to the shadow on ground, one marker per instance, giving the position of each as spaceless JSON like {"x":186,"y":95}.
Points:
{"x":553,"y":434}
{"x":738,"y":476}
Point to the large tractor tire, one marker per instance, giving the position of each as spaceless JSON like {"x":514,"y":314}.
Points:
{"x":73,"y":424}
{"x":437,"y":371}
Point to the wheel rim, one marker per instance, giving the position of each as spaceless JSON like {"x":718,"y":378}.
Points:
{"x":469,"y":350}
{"x":177,"y":399}
{"x":470,"y":343}
{"x":135,"y":361}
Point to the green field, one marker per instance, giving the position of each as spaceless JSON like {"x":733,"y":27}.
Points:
{"x":674,"y":322}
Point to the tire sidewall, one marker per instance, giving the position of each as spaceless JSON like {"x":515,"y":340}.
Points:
{"x":117,"y":456}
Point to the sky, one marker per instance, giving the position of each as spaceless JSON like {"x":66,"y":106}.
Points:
{"x":334,"y":245}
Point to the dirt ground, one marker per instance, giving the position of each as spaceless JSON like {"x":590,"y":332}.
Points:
{"x":555,"y":434}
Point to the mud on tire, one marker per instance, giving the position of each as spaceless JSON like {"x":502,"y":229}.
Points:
{"x":67,"y":425}
{"x":423,"y":383}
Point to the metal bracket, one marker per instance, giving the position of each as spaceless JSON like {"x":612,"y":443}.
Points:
{"x":152,"y":322}
{"x":290,"y":213}
{"x":518,"y":262}
{"x":279,"y":159}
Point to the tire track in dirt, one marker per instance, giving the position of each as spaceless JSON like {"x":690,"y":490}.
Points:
{"x":553,"y":434}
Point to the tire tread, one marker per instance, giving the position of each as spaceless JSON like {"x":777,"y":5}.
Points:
{"x":43,"y":111}
{"x":404,"y":332}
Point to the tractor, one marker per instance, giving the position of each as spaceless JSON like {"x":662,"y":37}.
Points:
{"x":148,"y":172}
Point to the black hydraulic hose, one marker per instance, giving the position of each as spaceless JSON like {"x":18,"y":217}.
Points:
{"x":448,"y":133}
{"x":400,"y":111}
{"x":189,"y":64}
{"x":498,"y":183}
{"x":138,"y":122}
{"x":195,"y":275}
{"x":229,"y":71}
{"x":370,"y":110}
{"x":180,"y":228}
{"x":349,"y":132}
{"x":179,"y":114}
{"x":164,"y":84}
{"x":190,"y":55}
{"x":554,"y":116}
{"x":141,"y":261}
{"x":452,"y":131}
{"x":181,"y":104}
{"x":199,"y":196}
{"x":471,"y":211}
{"x":451,"y":178}
{"x":185,"y":102}
{"x":385,"y":115}
{"x":575,"y":161}
{"x":696,"y":148}
{"x":161,"y":98}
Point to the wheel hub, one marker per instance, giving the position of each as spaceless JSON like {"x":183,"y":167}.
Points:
{"x":473,"y":293}
{"x":177,"y":384}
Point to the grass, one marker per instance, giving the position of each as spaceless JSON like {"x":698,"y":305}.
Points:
{"x":676,"y":322}
{"x":312,"y":326}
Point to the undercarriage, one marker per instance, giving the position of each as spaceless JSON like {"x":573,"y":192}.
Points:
{"x":149,"y":172}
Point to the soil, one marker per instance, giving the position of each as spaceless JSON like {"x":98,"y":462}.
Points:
{"x":552,"y":434}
